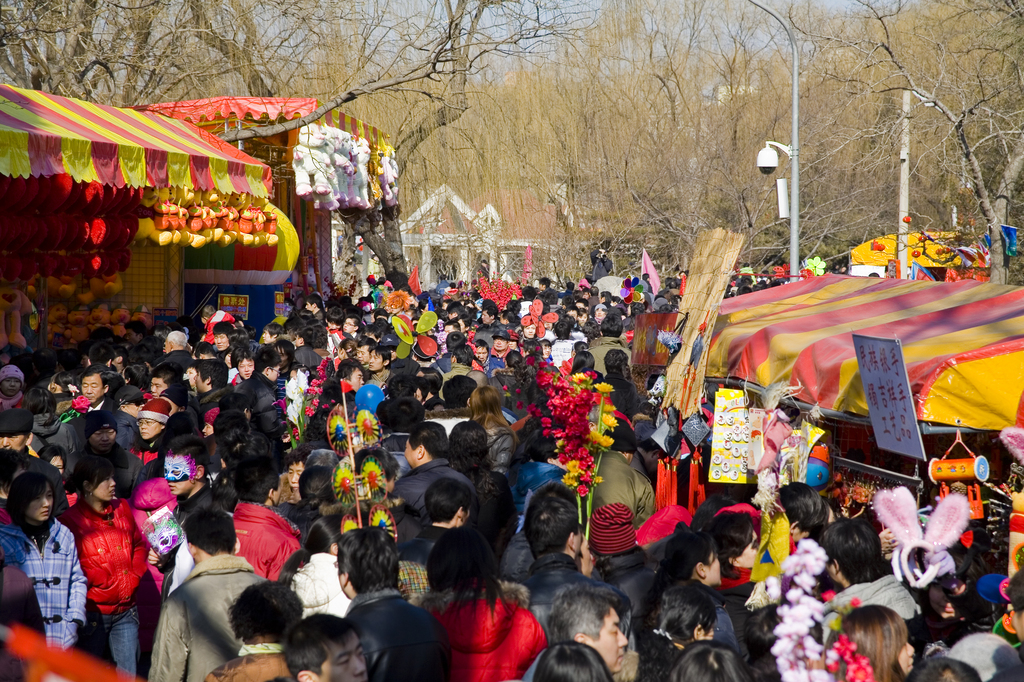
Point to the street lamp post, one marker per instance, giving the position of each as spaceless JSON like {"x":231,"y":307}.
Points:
{"x":793,"y":149}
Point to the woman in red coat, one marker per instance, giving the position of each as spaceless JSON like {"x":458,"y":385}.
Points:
{"x":113,"y":556}
{"x":493,"y":635}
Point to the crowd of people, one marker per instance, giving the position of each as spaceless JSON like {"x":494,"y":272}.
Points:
{"x":160,"y":512}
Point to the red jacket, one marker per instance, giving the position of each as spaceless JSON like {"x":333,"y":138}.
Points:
{"x":112,"y":552}
{"x":266,"y":539}
{"x":489,"y":646}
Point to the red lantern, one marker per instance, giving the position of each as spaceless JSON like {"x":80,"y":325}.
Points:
{"x":907,"y":219}
{"x":917,"y":254}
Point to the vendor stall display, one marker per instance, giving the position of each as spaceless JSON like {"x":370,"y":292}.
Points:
{"x":82,"y":183}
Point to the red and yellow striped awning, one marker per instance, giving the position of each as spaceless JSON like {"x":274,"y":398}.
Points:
{"x":963,"y":343}
{"x":44,"y":135}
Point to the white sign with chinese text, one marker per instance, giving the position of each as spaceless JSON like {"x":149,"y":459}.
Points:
{"x":887,"y":389}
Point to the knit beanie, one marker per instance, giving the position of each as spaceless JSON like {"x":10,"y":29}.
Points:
{"x":97,"y":420}
{"x":611,"y":529}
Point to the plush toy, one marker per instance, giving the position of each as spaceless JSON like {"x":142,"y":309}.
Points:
{"x":345,"y":169}
{"x":144,"y":315}
{"x":99,"y":316}
{"x":106,"y":287}
{"x":61,"y":287}
{"x":326,"y":176}
{"x":56,"y":322}
{"x":119,"y":317}
{"x":78,"y":320}
{"x":389,"y":180}
{"x":361,"y":198}
{"x":309,"y":175}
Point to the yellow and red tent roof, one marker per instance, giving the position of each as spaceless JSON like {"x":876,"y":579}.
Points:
{"x":44,"y":135}
{"x":963,"y":343}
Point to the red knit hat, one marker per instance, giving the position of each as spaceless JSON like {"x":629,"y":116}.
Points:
{"x":611,"y":529}
{"x":157,"y":409}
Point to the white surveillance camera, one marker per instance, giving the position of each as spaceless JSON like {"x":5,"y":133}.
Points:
{"x":767,"y":160}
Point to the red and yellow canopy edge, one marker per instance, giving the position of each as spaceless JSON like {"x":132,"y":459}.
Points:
{"x":263,"y":110}
{"x":963,"y":343}
{"x":44,"y":135}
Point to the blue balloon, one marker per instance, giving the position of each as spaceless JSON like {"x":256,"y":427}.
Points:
{"x":369,"y":397}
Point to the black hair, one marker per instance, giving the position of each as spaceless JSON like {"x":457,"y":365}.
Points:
{"x":101,"y":354}
{"x":316,"y":487}
{"x":94,"y":370}
{"x":51,"y":450}
{"x":683,"y":609}
{"x":804,"y":507}
{"x":683,"y":552}
{"x":265,"y":608}
{"x":92,"y":470}
{"x":231,"y":430}
{"x":456,"y":392}
{"x":213,"y":371}
{"x":542,"y":448}
{"x":138,"y":376}
{"x":405,"y":412}
{"x":234,"y":401}
{"x":582,"y":361}
{"x":943,"y":669}
{"x":856,"y":548}
{"x":24,"y":489}
{"x":432,"y":380}
{"x":462,"y":562}
{"x":759,"y":632}
{"x":323,"y":532}
{"x":39,"y":401}
{"x":211,"y":530}
{"x":463,"y":355}
{"x":222,"y":328}
{"x":169,"y":372}
{"x":710,"y":662}
{"x":44,"y":360}
{"x":611,"y":326}
{"x":549,"y":523}
{"x":616,"y":361}
{"x":444,"y":497}
{"x":11,"y":462}
{"x":267,"y":357}
{"x":468,"y":454}
{"x":254,"y":478}
{"x":307,"y":644}
{"x":571,"y":662}
{"x":432,"y":437}
{"x":370,"y":558}
{"x":733,"y":532}
{"x":707,"y":510}
{"x":287,"y":350}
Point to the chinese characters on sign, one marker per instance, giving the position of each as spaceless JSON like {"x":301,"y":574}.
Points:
{"x":281,"y":309}
{"x":887,"y":390}
{"x":236,"y":304}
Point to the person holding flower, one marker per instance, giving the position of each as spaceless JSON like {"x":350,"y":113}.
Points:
{"x":621,"y":482}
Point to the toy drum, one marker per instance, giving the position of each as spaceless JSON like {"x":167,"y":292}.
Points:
{"x":970,"y":469}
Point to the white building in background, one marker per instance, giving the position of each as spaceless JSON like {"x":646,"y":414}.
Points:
{"x":449,"y":238}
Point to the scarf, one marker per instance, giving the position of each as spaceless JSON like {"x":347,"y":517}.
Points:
{"x":258,"y":649}
{"x":742,"y":578}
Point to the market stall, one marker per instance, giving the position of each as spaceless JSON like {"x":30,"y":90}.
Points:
{"x":92,"y":190}
{"x":963,"y":343}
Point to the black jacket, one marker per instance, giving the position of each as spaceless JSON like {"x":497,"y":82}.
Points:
{"x":496,"y":512}
{"x":211,"y":399}
{"x":418,"y":549}
{"x":553,"y":572}
{"x":307,"y":357}
{"x":400,"y":641}
{"x":516,"y":559}
{"x":624,"y":395}
{"x":413,"y":486}
{"x":265,"y":417}
{"x":127,"y":429}
{"x":736,"y":606}
{"x":181,"y":358}
{"x":126,"y":467}
{"x":629,"y":573}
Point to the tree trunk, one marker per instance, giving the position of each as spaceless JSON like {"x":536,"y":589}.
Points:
{"x":387,"y":248}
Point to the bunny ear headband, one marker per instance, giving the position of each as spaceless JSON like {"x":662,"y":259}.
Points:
{"x":897,"y":510}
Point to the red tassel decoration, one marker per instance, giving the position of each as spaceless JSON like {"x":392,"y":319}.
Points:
{"x":668,"y":484}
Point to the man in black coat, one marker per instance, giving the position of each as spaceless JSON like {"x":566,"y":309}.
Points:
{"x":176,"y":351}
{"x":425,"y":452}
{"x":261,"y":387}
{"x":624,"y":395}
{"x":15,"y":434}
{"x":101,"y":441}
{"x":400,"y":641}
{"x":553,"y":531}
{"x":448,"y":507}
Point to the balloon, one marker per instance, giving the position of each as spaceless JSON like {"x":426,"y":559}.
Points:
{"x":402,"y":328}
{"x":817,"y":474}
{"x":427,"y":321}
{"x":368,"y":397}
{"x":403,"y":350}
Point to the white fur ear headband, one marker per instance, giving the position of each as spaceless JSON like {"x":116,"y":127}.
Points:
{"x":897,"y":510}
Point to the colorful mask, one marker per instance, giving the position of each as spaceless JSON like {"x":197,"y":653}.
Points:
{"x":179,"y":468}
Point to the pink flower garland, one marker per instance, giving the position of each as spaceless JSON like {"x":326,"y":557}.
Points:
{"x":795,"y":645}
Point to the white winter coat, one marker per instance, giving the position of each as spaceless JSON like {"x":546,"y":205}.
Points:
{"x":318,"y":587}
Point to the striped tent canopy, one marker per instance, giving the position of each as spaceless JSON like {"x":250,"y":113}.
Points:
{"x":963,"y":343}
{"x":44,"y":135}
{"x":216,"y":111}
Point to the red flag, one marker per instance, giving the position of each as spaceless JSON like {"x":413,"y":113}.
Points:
{"x":414,"y":280}
{"x":47,"y":663}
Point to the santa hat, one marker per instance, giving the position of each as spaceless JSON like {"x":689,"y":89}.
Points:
{"x":157,"y":409}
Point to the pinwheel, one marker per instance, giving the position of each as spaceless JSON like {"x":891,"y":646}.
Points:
{"x":816,"y":265}
{"x":535,"y":318}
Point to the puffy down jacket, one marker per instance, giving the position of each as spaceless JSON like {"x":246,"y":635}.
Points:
{"x":112,"y":552}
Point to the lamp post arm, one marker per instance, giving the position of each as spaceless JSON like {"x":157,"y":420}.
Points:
{"x":794,"y":148}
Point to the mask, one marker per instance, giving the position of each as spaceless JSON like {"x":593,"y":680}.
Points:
{"x":179,"y":468}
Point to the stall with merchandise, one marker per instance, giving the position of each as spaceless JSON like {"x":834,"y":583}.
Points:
{"x":100,"y":203}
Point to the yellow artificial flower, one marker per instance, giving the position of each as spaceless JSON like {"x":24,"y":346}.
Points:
{"x":610,"y":421}
{"x":603,"y":388}
{"x":570,"y":480}
{"x":579,"y":377}
{"x":601,"y":439}
{"x":598,"y":480}
{"x":573,"y":466}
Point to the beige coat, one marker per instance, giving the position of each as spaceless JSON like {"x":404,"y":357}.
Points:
{"x":600,"y":348}
{"x":194,"y":636}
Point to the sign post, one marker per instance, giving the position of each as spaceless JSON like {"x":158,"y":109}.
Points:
{"x":887,"y":389}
